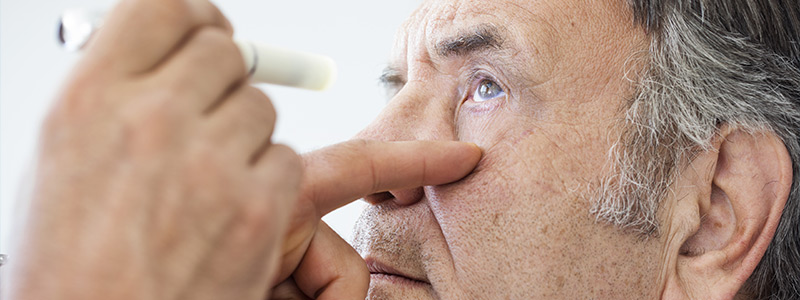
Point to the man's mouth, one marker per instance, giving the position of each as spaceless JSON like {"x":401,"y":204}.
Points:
{"x":380,"y":271}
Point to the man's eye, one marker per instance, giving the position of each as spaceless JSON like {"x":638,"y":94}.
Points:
{"x":487,"y":90}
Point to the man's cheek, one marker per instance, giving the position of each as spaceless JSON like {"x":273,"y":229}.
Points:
{"x":508,"y":209}
{"x":501,"y":181}
{"x":485,"y":130}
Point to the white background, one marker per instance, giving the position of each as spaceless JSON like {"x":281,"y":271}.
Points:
{"x":357,"y":34}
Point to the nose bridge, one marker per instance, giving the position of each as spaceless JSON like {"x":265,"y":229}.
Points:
{"x":418,"y":112}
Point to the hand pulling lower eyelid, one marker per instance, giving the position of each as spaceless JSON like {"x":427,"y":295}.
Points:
{"x":265,"y":63}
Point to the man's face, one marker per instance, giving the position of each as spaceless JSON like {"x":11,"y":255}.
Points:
{"x":538,"y":86}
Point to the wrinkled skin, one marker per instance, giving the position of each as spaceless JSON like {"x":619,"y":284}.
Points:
{"x":519,"y":226}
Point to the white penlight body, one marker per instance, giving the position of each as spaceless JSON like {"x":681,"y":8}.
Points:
{"x":287,"y":67}
{"x":267,"y":64}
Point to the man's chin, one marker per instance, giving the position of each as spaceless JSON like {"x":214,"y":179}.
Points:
{"x":383,"y":286}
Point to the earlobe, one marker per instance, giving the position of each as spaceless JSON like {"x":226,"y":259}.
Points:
{"x":730,"y":214}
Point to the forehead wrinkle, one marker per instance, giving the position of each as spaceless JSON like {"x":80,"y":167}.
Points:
{"x":435,"y":19}
{"x":463,"y":18}
{"x":444,"y":16}
{"x":416,"y":56}
{"x":406,"y":37}
{"x":432,"y":18}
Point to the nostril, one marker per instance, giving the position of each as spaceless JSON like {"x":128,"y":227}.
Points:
{"x":377,"y":198}
{"x":408,"y":197}
{"x":400,"y":197}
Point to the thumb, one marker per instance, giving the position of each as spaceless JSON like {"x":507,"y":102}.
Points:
{"x":331,"y":268}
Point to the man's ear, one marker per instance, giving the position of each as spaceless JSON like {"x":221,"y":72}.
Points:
{"x":728,"y":205}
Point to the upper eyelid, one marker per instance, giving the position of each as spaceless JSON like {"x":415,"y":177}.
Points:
{"x":477,"y":76}
{"x":392,"y":77}
{"x":479,"y":73}
{"x":392,"y":80}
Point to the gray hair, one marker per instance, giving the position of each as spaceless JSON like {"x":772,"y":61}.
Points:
{"x":711,"y":62}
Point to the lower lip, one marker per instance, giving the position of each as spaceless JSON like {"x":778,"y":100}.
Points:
{"x":397,"y":280}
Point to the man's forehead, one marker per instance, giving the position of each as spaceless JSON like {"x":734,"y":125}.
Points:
{"x":439,"y":23}
{"x":442,"y":17}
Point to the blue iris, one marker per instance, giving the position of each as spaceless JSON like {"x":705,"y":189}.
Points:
{"x":488,"y":90}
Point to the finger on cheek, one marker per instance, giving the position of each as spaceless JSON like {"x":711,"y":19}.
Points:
{"x":373,"y":166}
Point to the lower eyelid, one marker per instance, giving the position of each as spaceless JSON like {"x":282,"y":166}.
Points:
{"x":477,"y":109}
{"x":483,"y":108}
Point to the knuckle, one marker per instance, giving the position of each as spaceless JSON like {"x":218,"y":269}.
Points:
{"x":289,"y":159}
{"x":259,"y":105}
{"x":81,"y":94}
{"x":256,"y":94}
{"x":82,"y":99}
{"x":218,"y":45}
{"x":178,"y":11}
{"x":174,"y":13}
{"x":214,"y":36}
{"x":283,"y":170}
{"x":217,"y":15}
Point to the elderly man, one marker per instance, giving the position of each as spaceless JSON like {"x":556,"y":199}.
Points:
{"x":632,"y":149}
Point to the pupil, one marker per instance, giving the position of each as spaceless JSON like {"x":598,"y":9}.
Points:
{"x":487,"y":89}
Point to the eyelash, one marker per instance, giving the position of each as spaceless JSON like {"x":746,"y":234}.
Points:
{"x":476,"y":78}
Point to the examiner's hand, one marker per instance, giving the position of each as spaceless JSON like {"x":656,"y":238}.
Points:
{"x":156,"y":178}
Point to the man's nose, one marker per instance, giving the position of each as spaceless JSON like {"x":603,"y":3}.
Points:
{"x":413,"y":114}
{"x":399,"y":197}
{"x":420,"y":111}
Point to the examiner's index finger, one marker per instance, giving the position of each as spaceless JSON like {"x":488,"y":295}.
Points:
{"x":139,"y":34}
{"x":339,"y":174}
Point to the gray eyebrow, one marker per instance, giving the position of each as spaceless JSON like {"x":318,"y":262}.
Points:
{"x":480,"y":38}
